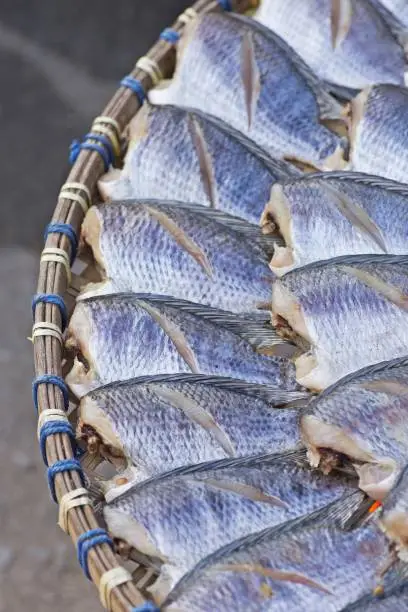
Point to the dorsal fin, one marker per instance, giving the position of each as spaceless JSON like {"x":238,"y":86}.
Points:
{"x":268,"y":393}
{"x":353,"y":260}
{"x":355,"y":177}
{"x":329,"y":107}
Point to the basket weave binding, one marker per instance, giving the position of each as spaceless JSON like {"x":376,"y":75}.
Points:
{"x":118,"y":589}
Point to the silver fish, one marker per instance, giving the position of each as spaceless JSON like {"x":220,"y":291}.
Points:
{"x":239,"y":71}
{"x":215,"y":503}
{"x":352,"y":310}
{"x":363,"y":417}
{"x":331,"y":214}
{"x":123,"y":336}
{"x":163,"y":422}
{"x":394,"y":515}
{"x":201,"y":156}
{"x":378,"y":136}
{"x":393,"y":599}
{"x":305,"y":564}
{"x":346,"y":42}
{"x":181,"y":250}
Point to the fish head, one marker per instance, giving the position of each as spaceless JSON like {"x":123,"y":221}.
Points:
{"x":82,"y":377}
{"x":377,"y":479}
{"x":92,"y":416}
{"x":91,"y":235}
{"x":277,"y":215}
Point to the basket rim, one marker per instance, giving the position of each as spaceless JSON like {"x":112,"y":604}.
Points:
{"x":117,"y":589}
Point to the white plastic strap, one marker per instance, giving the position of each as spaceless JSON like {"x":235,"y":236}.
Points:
{"x":151,"y":68}
{"x":57,"y":255}
{"x":188,"y":15}
{"x":110,"y":128}
{"x":84,"y":202}
{"x":72,"y":499}
{"x":109,"y":580}
{"x":50,"y":414}
{"x":46,"y":329}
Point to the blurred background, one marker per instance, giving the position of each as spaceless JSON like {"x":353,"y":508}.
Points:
{"x":60,"y":63}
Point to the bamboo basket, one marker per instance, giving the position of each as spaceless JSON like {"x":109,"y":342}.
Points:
{"x":120,"y":589}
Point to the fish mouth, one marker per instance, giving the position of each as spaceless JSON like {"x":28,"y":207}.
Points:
{"x":276,"y":215}
{"x":287,"y":316}
{"x":94,"y":422}
{"x":394,"y":523}
{"x":376,"y":475}
{"x":82,"y":376}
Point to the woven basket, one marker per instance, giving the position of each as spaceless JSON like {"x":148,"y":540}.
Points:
{"x":119,"y":589}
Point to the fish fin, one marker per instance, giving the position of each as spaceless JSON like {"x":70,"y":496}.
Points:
{"x":198,"y":414}
{"x":355,"y":260}
{"x":328,"y":106}
{"x":274,"y":574}
{"x":359,"y":515}
{"x":204,"y":160}
{"x":278,"y":167}
{"x":254,"y":328}
{"x":176,"y":336}
{"x":340,"y":20}
{"x":250,"y":76}
{"x":268,"y":393}
{"x":181,"y":237}
{"x":390,"y":387}
{"x":247,"y":491}
{"x":356,"y":215}
{"x":358,"y":178}
{"x":341,"y":91}
{"x":388,"y":291}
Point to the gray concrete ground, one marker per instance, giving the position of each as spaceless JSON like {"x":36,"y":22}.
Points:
{"x":60,"y":61}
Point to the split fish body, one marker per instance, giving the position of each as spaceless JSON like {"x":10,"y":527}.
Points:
{"x":327,"y":215}
{"x":124,"y":336}
{"x":237,"y":70}
{"x":347,"y":43}
{"x":163,"y":422}
{"x":363,"y":417}
{"x":201,"y":157}
{"x":301,"y":565}
{"x":378,"y":136}
{"x":179,"y":250}
{"x":352,"y":310}
{"x":188,"y":514}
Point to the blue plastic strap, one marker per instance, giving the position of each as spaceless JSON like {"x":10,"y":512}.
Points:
{"x":105,"y":142}
{"x":148,"y":606}
{"x":65,"y":465}
{"x":134,"y":85}
{"x":86,"y":541}
{"x":52,"y":298}
{"x":54,"y":427}
{"x":68,"y":230}
{"x":225,"y":5}
{"x":50,"y":379}
{"x":170,"y":36}
{"x":76,"y":147}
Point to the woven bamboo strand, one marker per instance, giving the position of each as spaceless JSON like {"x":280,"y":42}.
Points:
{"x":73,"y":201}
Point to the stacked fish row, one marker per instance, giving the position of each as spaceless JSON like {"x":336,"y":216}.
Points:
{"x":242,"y":361}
